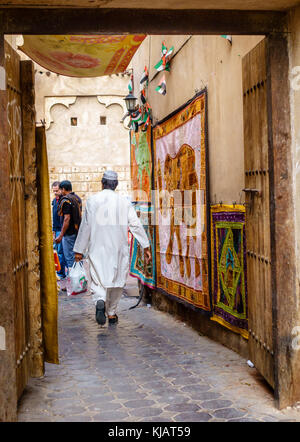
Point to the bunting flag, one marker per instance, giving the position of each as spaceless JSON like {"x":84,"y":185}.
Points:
{"x":130,"y":85}
{"x":228,"y":37}
{"x":144,"y":79}
{"x":162,"y":87}
{"x":147,"y":117}
{"x":82,"y":55}
{"x":143,"y":85}
{"x":136,"y":119}
{"x":163,"y":64}
{"x":143,"y":97}
{"x":136,"y":116}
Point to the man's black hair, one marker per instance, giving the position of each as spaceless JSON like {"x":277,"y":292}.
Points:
{"x":109,"y":184}
{"x":67,"y":185}
{"x":56,"y":183}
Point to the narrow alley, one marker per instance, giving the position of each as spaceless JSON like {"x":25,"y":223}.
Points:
{"x":150,"y":367}
{"x":150,"y":218}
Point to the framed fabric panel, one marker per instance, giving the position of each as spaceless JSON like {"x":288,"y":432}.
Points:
{"x":181,"y":183}
{"x":138,"y":268}
{"x":229,"y":272}
{"x":141,"y":164}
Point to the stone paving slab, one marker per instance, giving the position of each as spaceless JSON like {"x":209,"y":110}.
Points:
{"x":149,"y":368}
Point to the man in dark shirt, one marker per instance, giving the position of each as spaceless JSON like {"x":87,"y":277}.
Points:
{"x":56,"y":228}
{"x":70,"y":207}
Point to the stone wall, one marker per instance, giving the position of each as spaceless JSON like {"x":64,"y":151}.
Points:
{"x":81,"y":153}
{"x":86,"y":180}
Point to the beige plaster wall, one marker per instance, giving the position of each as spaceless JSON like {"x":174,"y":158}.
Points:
{"x":82,"y":153}
{"x":295,"y":121}
{"x":205,"y":61}
{"x":49,"y":84}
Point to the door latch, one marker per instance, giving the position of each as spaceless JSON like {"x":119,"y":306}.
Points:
{"x":253,"y":192}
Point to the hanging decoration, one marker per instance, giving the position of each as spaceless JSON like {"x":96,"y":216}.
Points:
{"x":141,"y":184}
{"x":229,"y":267}
{"x":143,"y":85}
{"x":141,"y":117}
{"x":164,"y":64}
{"x":162,"y":86}
{"x":82,"y":55}
{"x":180,"y":168}
{"x":144,"y":79}
{"x":147,"y":117}
{"x":228,"y":37}
{"x":136,"y":118}
{"x":130,"y":84}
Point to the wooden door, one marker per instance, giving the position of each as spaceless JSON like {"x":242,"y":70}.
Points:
{"x":257,"y":196}
{"x":16,"y":194}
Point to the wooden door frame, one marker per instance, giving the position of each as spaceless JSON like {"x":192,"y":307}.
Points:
{"x":272,"y":24}
{"x":8,"y":379}
{"x":282,"y":222}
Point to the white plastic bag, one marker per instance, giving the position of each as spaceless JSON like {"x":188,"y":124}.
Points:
{"x":77,"y":279}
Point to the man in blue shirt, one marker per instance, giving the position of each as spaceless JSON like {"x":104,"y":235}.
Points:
{"x":56,"y":228}
{"x":69,"y":208}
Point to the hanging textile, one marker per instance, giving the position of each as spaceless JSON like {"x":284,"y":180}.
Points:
{"x":141,"y":164}
{"x":180,"y":178}
{"x":229,"y":273}
{"x":141,"y":183}
{"x":145,"y":273}
{"x":82,"y":55}
{"x":47,"y":265}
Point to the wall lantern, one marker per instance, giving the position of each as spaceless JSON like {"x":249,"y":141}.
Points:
{"x":130,"y":101}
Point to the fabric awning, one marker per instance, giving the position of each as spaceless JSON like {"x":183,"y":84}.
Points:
{"x":82,"y":55}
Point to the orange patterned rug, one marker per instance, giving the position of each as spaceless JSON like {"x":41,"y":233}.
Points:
{"x":181,"y":204}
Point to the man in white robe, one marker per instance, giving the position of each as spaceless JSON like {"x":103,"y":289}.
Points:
{"x":103,"y":238}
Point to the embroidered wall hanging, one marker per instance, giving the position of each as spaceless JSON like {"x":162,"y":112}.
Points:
{"x":229,"y":273}
{"x":181,"y":204}
{"x":145,"y":273}
{"x":141,"y":164}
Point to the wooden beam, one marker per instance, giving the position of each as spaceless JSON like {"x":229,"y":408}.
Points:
{"x":8,"y":391}
{"x":32,"y":239}
{"x":146,"y":21}
{"x":282,"y":217}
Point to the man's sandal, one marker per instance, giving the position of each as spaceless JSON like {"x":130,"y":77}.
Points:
{"x":100,"y":312}
{"x":113,"y":320}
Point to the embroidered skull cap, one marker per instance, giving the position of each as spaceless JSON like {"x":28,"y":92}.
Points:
{"x":110,"y":175}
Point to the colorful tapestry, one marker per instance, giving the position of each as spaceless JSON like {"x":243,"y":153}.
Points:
{"x":181,"y":201}
{"x":141,"y":164}
{"x":82,"y":55}
{"x":138,"y":268}
{"x":229,"y":273}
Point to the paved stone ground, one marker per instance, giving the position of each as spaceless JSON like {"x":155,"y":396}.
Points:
{"x":150,"y":367}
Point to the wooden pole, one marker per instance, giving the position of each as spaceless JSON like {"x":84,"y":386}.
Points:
{"x":8,"y":383}
{"x":282,"y":216}
{"x":32,"y":239}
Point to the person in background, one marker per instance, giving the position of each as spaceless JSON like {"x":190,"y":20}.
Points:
{"x":103,"y":237}
{"x":56,"y":229}
{"x":70,"y":208}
